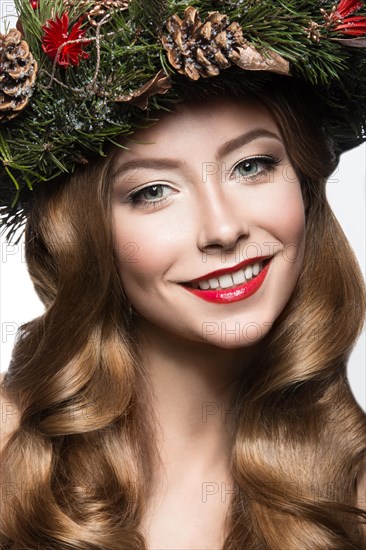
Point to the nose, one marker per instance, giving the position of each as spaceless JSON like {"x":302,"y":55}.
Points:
{"x":221,"y":225}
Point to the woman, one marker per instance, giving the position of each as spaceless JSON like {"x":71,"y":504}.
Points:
{"x":153,"y":411}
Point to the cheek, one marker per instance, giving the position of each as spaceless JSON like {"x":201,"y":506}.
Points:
{"x":283,"y":214}
{"x":289,"y":230}
{"x":144,"y":250}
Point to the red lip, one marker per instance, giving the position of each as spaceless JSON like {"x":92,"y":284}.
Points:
{"x":232,"y":269}
{"x":235,"y":294}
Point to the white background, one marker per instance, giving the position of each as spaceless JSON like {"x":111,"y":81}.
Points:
{"x":346,"y":193}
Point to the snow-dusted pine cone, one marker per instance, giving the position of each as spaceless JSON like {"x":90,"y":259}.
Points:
{"x":197,"y":48}
{"x":18,"y":72}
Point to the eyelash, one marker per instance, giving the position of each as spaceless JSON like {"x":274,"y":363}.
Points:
{"x":134,"y":199}
{"x":268,"y":161}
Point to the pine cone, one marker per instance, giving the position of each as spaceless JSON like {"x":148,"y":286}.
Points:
{"x":201,"y":49}
{"x":97,"y":10}
{"x":197,"y":48}
{"x":18,"y":71}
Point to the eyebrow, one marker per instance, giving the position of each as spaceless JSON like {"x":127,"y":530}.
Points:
{"x":244,"y":139}
{"x":223,"y":150}
{"x":152,"y":164}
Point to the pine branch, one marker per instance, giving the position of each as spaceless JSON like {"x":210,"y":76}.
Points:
{"x":148,"y":14}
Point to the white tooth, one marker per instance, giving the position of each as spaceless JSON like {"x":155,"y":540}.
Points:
{"x":203,"y":285}
{"x":256,"y":269}
{"x":248,"y":272}
{"x":214,"y":283}
{"x":228,"y":280}
{"x":238,"y":277}
{"x":225,"y":281}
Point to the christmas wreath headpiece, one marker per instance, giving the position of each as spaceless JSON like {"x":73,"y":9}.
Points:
{"x":74,"y":73}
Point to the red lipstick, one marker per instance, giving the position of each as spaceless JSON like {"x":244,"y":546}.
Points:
{"x":234,"y":294}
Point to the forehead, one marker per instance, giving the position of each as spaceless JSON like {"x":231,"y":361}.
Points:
{"x":204,"y":124}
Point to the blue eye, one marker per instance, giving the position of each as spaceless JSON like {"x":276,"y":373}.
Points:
{"x":155,"y":192}
{"x":150,"y":195}
{"x":255,"y":166}
{"x":248,"y":167}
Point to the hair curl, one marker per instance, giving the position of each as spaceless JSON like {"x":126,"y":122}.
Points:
{"x":77,"y":472}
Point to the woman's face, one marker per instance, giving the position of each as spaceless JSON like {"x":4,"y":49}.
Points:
{"x":209,"y":189}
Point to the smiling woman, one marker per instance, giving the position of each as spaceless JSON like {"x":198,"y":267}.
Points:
{"x":228,"y":197}
{"x":186,"y":387}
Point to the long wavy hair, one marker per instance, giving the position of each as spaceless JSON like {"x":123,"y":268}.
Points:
{"x":77,"y":473}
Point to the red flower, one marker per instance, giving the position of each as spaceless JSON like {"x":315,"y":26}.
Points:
{"x":347,"y":7}
{"x":56,"y":33}
{"x":34,"y":4}
{"x":355,"y":26}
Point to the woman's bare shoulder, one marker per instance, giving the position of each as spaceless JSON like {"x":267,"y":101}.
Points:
{"x":9,"y":416}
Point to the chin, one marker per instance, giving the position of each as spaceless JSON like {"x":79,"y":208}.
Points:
{"x":234,"y":335}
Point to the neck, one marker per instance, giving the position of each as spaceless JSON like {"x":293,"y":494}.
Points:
{"x":192,"y":386}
